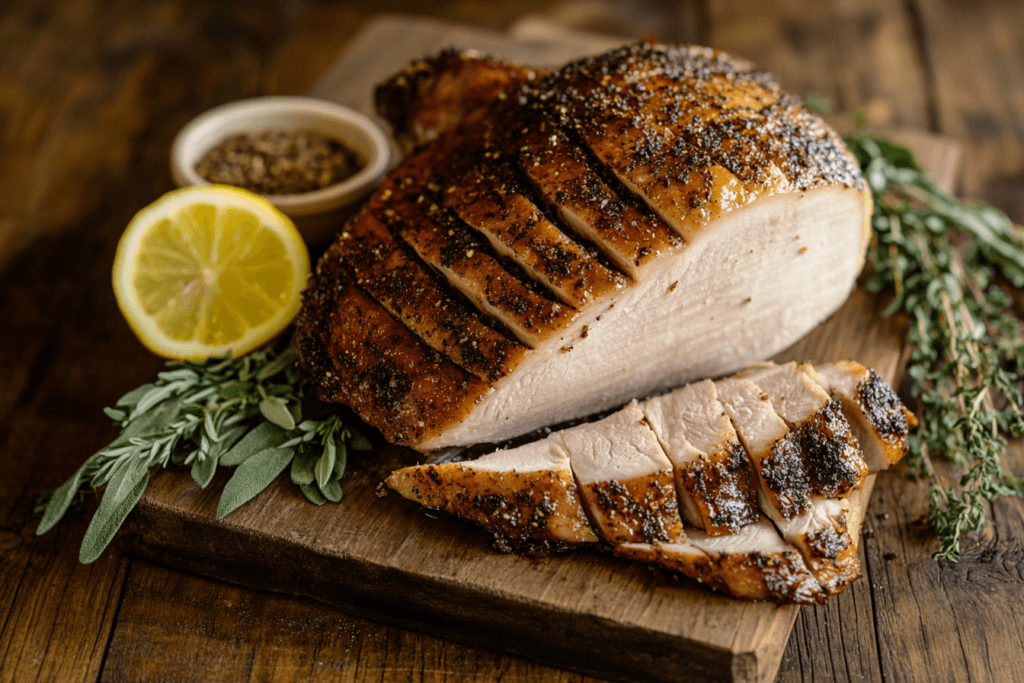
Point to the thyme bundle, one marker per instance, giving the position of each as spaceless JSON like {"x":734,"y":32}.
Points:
{"x":250,"y":413}
{"x":946,"y":263}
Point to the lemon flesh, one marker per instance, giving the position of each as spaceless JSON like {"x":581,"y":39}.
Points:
{"x":209,"y":269}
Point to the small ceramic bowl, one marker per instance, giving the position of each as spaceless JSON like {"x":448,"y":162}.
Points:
{"x":318,"y":214}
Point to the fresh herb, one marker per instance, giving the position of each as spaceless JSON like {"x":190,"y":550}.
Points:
{"x":245,"y":413}
{"x":946,"y":263}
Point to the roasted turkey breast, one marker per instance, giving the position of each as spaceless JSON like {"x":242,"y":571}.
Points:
{"x":620,"y":226}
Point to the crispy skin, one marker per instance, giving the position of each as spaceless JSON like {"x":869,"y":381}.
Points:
{"x":433,"y":96}
{"x":400,"y":283}
{"x":490,"y":199}
{"x":374,"y":364}
{"x":561,"y":173}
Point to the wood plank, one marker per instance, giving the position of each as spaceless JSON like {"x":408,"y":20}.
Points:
{"x":975,"y":57}
{"x":235,"y":634}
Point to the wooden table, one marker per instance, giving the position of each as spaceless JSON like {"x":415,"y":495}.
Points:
{"x":91,"y":94}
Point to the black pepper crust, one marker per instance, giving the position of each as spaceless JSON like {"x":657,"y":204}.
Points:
{"x":723,"y":488}
{"x":643,"y":510}
{"x":785,"y":474}
{"x":835,"y":465}
{"x":526,"y":512}
{"x":884,"y":409}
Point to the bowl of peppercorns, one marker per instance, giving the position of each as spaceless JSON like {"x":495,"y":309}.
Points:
{"x":311,"y":158}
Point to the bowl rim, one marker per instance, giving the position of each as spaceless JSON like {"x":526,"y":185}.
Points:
{"x":184,"y":156}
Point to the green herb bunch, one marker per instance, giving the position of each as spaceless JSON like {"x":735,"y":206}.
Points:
{"x":245,"y":413}
{"x":946,"y":262}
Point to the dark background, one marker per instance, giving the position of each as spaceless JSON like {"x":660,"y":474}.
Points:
{"x":92,"y":93}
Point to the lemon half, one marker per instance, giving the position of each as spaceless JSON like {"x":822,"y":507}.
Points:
{"x":209,"y":269}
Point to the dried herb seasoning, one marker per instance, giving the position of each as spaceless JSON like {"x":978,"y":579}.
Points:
{"x":279,"y":162}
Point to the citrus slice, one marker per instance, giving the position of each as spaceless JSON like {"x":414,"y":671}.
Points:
{"x":209,"y":269}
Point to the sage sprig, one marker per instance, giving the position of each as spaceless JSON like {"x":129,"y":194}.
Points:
{"x":245,"y":413}
{"x":946,"y":263}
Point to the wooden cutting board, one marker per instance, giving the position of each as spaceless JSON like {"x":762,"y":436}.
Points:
{"x":388,"y":559}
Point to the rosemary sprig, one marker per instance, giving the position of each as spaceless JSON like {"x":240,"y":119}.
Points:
{"x":245,"y":413}
{"x":945,"y":262}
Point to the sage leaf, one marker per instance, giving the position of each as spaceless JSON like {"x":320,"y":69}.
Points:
{"x":203,"y":470}
{"x":275,"y":409}
{"x":115,"y":415}
{"x":265,"y":436}
{"x":313,"y":494}
{"x":253,"y":476}
{"x":122,"y":494}
{"x":332,"y":491}
{"x":325,"y":467}
{"x":134,"y":396}
{"x":302,"y":469}
{"x":360,"y":442}
{"x":341,"y":459}
{"x":62,"y":498}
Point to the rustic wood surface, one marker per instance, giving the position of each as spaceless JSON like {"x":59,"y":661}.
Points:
{"x":91,"y":94}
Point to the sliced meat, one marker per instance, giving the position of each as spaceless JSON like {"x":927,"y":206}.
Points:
{"x":611,"y":480}
{"x":563,"y":175}
{"x":404,"y":286}
{"x":713,"y":476}
{"x":822,"y":535}
{"x":878,"y":418}
{"x":835,"y":464}
{"x":752,"y":564}
{"x":526,"y":496}
{"x":625,"y":479}
{"x":491,"y":200}
{"x":776,"y":457}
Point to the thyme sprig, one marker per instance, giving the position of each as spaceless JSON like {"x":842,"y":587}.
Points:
{"x":246,"y":413}
{"x":946,"y":263}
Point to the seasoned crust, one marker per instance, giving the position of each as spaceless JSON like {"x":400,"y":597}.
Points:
{"x":354,"y":352}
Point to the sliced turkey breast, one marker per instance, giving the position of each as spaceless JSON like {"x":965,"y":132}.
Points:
{"x":627,"y":224}
{"x":878,"y":418}
{"x":525,"y":496}
{"x":835,"y":465}
{"x":711,"y":468}
{"x":777,"y":459}
{"x":625,"y":479}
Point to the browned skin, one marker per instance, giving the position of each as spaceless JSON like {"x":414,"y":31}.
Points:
{"x":722,"y":490}
{"x":832,"y":455}
{"x":373,"y":363}
{"x":888,"y":416}
{"x":563,"y":175}
{"x":490,"y":199}
{"x":641,"y":510}
{"x":396,"y":279}
{"x":709,"y":133}
{"x":433,"y":96}
{"x":785,"y":476}
{"x":414,"y":210}
{"x":526,"y":511}
{"x":782,"y":577}
{"x":831,"y":555}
